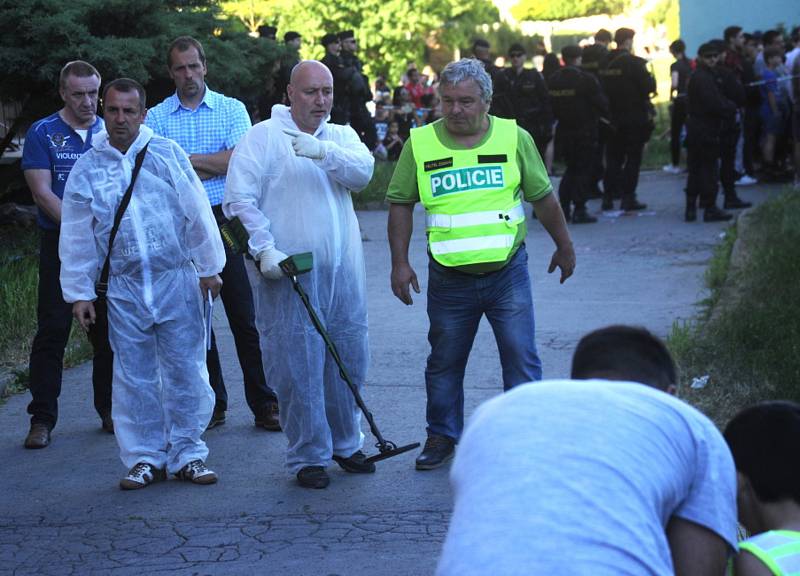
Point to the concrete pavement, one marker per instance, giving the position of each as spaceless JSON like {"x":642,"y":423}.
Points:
{"x":61,"y":511}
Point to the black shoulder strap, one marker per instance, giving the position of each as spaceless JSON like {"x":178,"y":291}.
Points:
{"x":102,"y":285}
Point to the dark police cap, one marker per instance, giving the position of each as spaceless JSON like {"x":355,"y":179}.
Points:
{"x":708,"y":49}
{"x":516,"y":49}
{"x":329,"y":39}
{"x":346,"y":35}
{"x":571,"y":52}
{"x":720,"y":45}
{"x":289,"y":36}
{"x":267,"y":31}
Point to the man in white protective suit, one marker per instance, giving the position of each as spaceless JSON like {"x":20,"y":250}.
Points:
{"x":289,"y":182}
{"x":165,"y":260}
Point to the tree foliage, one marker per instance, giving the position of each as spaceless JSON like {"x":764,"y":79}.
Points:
{"x":564,"y":9}
{"x":390,"y":32}
{"x":120,"y":38}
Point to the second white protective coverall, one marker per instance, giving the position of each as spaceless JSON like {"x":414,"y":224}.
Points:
{"x":296,"y":205}
{"x":168,"y":238}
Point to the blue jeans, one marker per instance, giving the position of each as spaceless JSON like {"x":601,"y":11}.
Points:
{"x":456,"y":302}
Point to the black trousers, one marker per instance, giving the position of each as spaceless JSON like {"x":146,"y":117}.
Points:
{"x":751,"y":133}
{"x":623,"y":159}
{"x":237,"y":298}
{"x":703,"y":179}
{"x":599,"y":161}
{"x":678,"y":113}
{"x":727,"y":159}
{"x":577,"y":148}
{"x":364,"y":125}
{"x":54,"y":318}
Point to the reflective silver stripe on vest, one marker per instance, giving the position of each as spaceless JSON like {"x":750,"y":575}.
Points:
{"x":784,"y":550}
{"x":512,"y":216}
{"x":477,"y":243}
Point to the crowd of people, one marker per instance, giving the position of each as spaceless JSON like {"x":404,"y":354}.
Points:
{"x":607,"y":466}
{"x":740,"y":128}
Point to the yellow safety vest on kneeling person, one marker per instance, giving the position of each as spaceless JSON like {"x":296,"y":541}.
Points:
{"x":471,"y":197}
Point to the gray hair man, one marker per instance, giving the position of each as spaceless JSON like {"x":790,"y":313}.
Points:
{"x":471,"y":170}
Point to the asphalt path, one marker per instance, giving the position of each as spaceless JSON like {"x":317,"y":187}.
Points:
{"x":61,"y":511}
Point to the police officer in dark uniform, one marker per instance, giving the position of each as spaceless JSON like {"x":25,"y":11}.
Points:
{"x":628,"y":85}
{"x":577,"y":102}
{"x":340,"y":113}
{"x":360,"y":119}
{"x":708,"y":109}
{"x":521,"y":93}
{"x":732,"y":88}
{"x":593,"y":60}
{"x":480,"y":50}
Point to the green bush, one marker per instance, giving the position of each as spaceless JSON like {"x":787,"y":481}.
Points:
{"x":750,"y":345}
{"x":19,"y":278}
{"x":373,"y":195}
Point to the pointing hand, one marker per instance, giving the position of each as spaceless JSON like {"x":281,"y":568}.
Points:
{"x":306,"y":145}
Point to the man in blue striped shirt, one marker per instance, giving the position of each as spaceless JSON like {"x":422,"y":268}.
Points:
{"x":208,"y":125}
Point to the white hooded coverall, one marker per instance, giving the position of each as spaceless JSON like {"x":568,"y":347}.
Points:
{"x":167,"y":238}
{"x":296,"y":205}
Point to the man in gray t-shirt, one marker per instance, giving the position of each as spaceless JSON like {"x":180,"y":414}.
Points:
{"x":593,"y":476}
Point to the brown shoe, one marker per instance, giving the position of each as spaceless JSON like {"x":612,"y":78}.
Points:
{"x":38,"y":436}
{"x":268,"y":418}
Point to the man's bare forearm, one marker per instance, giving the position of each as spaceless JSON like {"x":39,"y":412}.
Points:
{"x":211,"y":164}
{"x":401,"y":223}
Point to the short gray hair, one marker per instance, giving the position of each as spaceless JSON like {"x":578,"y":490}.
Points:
{"x":468,"y":69}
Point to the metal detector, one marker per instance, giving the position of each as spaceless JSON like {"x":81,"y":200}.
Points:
{"x":300,"y":264}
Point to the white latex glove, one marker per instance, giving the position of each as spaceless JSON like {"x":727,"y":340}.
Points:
{"x":268,"y":261}
{"x":306,"y":145}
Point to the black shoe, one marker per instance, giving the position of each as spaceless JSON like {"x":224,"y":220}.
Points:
{"x":582,"y":217}
{"x":107,"y":423}
{"x":217,"y":419}
{"x":38,"y":436}
{"x":313,"y":477}
{"x":633,"y":205}
{"x":437,"y":451}
{"x":734,"y":203}
{"x":268,"y":418}
{"x":608,"y":204}
{"x":714,"y":214}
{"x":355,"y":463}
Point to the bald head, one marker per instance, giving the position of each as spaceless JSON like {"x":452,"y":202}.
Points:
{"x":306,"y":67}
{"x":310,"y":93}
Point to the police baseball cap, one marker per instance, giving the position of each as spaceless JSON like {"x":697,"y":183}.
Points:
{"x":571,"y":52}
{"x":346,"y":35}
{"x":516,"y":49}
{"x":330,"y":38}
{"x":708,"y":49}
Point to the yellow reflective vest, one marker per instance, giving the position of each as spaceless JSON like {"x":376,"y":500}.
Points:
{"x":472,"y":197}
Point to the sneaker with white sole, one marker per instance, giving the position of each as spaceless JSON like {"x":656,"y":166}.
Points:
{"x":746,"y":180}
{"x":141,"y":475}
{"x":672,"y":169}
{"x":197,"y":473}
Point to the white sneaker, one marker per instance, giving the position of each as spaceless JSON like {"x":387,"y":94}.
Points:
{"x":746,"y":180}
{"x":672,"y":169}
{"x":141,"y":475}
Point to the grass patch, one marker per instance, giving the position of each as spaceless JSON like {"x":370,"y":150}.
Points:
{"x":19,"y":277}
{"x":372,"y":197}
{"x":750,"y":344}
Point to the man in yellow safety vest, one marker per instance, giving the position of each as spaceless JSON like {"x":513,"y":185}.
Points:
{"x":471,"y":172}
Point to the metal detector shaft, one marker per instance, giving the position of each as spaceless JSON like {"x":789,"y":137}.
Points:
{"x":336,"y":358}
